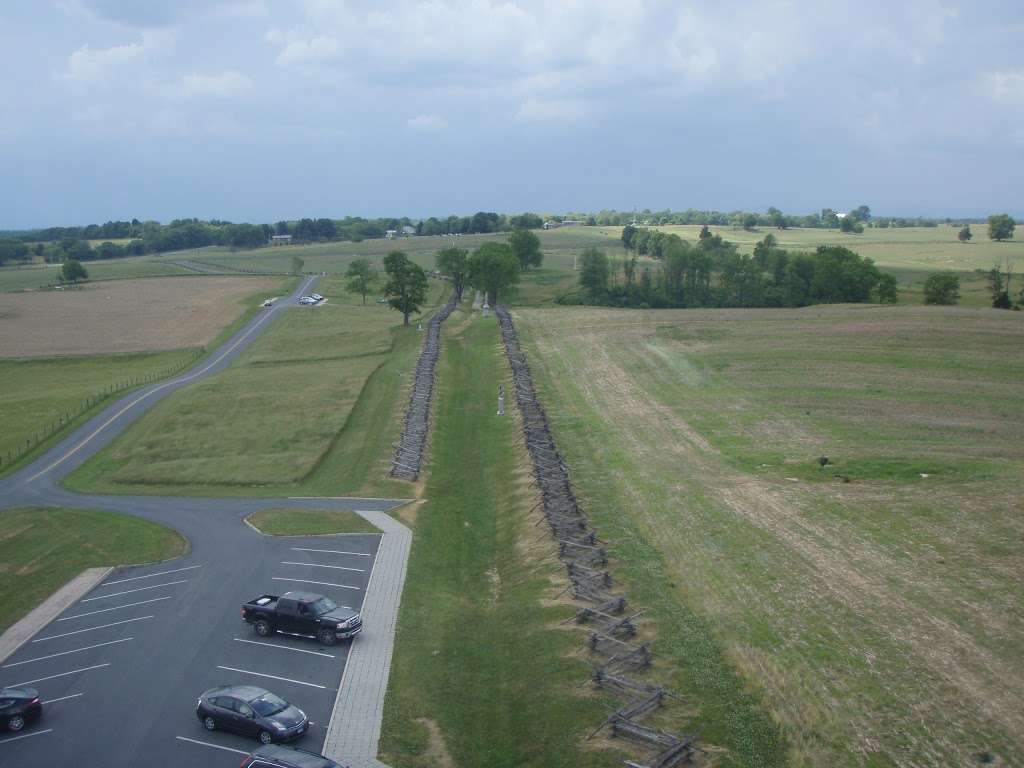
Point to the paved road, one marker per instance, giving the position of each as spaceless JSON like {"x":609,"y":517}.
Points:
{"x":122,"y":667}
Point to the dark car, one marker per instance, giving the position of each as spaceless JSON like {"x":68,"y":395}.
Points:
{"x":19,"y":706}
{"x":306,"y":614}
{"x":275,"y":756}
{"x":251,"y":711}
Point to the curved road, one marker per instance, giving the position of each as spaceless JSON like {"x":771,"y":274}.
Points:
{"x":142,"y":645}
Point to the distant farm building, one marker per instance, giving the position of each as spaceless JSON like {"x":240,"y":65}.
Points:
{"x":281,"y":240}
{"x":390,"y":234}
{"x":566,"y":223}
{"x":407,"y":230}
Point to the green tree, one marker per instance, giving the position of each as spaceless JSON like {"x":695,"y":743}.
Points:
{"x":749,"y":221}
{"x":406,"y":288}
{"x":777,"y":217}
{"x":492,"y":268}
{"x":361,"y":276}
{"x":1000,"y":226}
{"x":297,"y":265}
{"x":13,"y":250}
{"x":705,"y":233}
{"x":454,"y":262}
{"x":964,"y":235}
{"x":72,"y":271}
{"x":888,"y":289}
{"x":942,"y":288}
{"x":594,"y":273}
{"x":628,"y":235}
{"x":526,"y":246}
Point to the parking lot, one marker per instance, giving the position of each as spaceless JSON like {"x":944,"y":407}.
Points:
{"x":120,"y":670}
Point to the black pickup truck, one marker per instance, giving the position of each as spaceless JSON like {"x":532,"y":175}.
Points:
{"x":304,"y":614}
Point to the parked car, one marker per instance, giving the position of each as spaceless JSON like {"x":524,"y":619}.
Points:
{"x":277,"y":756}
{"x":307,"y":300}
{"x":306,"y":614}
{"x":317,"y":296}
{"x":18,"y":707}
{"x":268,"y":303}
{"x":251,"y":711}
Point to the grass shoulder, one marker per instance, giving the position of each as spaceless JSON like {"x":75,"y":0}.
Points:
{"x":44,"y":547}
{"x":308,"y":522}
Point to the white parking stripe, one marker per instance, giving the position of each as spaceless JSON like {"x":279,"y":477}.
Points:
{"x":90,"y":629}
{"x":34,"y":733}
{"x":129,"y":591}
{"x":63,"y":698}
{"x":149,"y":576}
{"x":275,"y":677}
{"x":285,"y":648}
{"x":208,"y":744}
{"x":65,"y":653}
{"x":332,"y":551}
{"x":322,"y":583}
{"x":115,"y":608}
{"x":62,"y":674}
{"x":318,"y":565}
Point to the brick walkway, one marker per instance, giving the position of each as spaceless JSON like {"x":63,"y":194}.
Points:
{"x":354,"y":730}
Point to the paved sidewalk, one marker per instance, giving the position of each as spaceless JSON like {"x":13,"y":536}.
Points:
{"x":354,"y":730}
{"x":49,"y":609}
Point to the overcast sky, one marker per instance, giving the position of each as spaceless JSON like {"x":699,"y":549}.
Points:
{"x":266,"y":109}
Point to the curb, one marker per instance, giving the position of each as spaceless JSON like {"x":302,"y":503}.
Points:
{"x":47,"y":611}
{"x":353,"y":732}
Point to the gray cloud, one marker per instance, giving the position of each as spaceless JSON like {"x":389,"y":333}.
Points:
{"x":728,"y":104}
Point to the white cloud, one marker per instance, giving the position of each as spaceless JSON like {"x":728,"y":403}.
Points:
{"x":304,"y":50}
{"x":540,"y":110}
{"x":97,"y":65}
{"x":426,"y":123}
{"x":222,"y":84}
{"x":1007,"y":86}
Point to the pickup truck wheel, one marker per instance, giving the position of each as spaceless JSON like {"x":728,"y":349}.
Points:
{"x":327,"y":637}
{"x":262,"y":628}
{"x":265,"y":737}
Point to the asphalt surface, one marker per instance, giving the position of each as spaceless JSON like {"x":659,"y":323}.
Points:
{"x":120,"y":670}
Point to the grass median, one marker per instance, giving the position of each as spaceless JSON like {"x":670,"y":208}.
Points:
{"x":482,"y":675}
{"x":42,"y":548}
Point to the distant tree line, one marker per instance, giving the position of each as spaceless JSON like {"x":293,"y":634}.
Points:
{"x":712,"y":273}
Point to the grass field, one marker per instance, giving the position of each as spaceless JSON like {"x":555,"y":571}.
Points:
{"x":44,"y":547}
{"x":875,"y":606}
{"x":38,"y":392}
{"x":126,"y":315}
{"x":39,"y":276}
{"x":304,"y":399}
{"x":309,"y":522}
{"x":482,"y":675}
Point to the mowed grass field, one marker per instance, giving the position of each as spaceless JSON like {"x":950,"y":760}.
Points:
{"x":36,"y":277}
{"x":875,"y":606}
{"x":273,"y":422}
{"x":126,"y":315}
{"x":483,"y":674}
{"x":43,"y":547}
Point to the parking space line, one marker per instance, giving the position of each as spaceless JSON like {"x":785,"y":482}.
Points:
{"x":275,"y":677}
{"x":34,"y":733}
{"x":318,"y":565}
{"x":62,"y":674}
{"x":65,"y":653}
{"x":332,"y":551}
{"x":115,"y":608}
{"x":63,"y":698}
{"x":129,"y":591}
{"x":208,"y":744}
{"x":322,"y":583}
{"x":90,"y":629}
{"x":285,"y":648}
{"x":150,"y":576}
